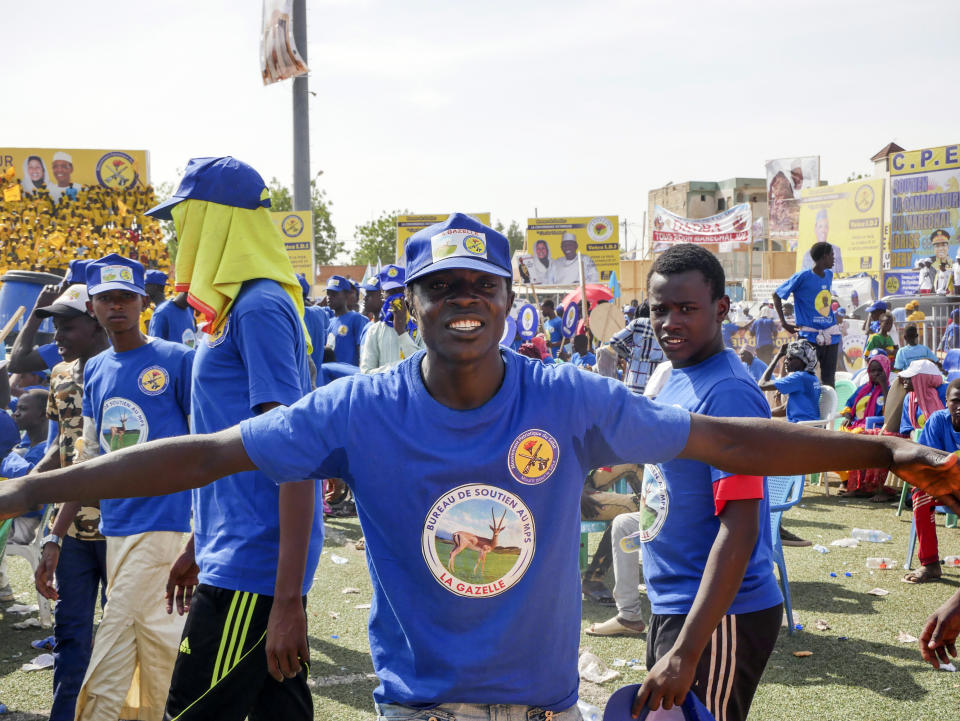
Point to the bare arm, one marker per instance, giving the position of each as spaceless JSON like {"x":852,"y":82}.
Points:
{"x":671,"y":677}
{"x":198,"y":460}
{"x":765,"y":384}
{"x":4,"y":385}
{"x":756,"y":446}
{"x":23,"y":356}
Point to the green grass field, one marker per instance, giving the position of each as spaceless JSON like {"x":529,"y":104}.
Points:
{"x":870,"y":675}
{"x":497,"y":564}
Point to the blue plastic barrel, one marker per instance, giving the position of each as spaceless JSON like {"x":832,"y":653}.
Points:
{"x":21,"y":287}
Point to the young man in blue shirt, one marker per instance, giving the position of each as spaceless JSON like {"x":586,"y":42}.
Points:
{"x":135,"y":391}
{"x":173,"y":320}
{"x":812,"y":307}
{"x":345,"y":327}
{"x":913,"y":350}
{"x":486,"y":535}
{"x":552,"y":325}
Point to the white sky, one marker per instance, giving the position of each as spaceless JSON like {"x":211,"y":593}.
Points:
{"x":572,"y":108}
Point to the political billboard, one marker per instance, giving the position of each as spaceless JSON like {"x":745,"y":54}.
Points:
{"x":727,"y":229}
{"x":786,"y":179}
{"x":296,"y":229}
{"x":553,"y":245}
{"x":924,"y":205}
{"x":62,"y":169}
{"x":407,"y":225}
{"x":849,"y":217}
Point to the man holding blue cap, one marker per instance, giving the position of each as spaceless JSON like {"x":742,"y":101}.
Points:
{"x":473,"y":558}
{"x":135,"y":391}
{"x":345,"y":327}
{"x":390,"y":339}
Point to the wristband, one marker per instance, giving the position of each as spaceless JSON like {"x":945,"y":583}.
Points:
{"x":52,"y":538}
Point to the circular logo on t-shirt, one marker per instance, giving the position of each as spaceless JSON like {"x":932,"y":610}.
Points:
{"x":124,"y":424}
{"x":188,"y":338}
{"x":533,"y":457}
{"x":478,"y":540}
{"x":153,"y":380}
{"x":822,"y":302}
{"x":654,"y":504}
{"x":216,"y":338}
{"x":342,"y":330}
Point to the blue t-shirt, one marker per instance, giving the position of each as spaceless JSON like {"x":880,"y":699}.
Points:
{"x":171,"y":322}
{"x":439,"y":630}
{"x":35,"y":453}
{"x":51,"y":356}
{"x":764,"y":329}
{"x":258,"y":356}
{"x":587,"y":359}
{"x":909,"y":353}
{"x":811,"y":301}
{"x":757,"y":369}
{"x":552,"y":331}
{"x":678,"y":513}
{"x":13,"y":465}
{"x":133,"y":397}
{"x":343,"y":335}
{"x":803,"y":395}
{"x":906,"y":427}
{"x":940,"y":433}
{"x":316,"y":321}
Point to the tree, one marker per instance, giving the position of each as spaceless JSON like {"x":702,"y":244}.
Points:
{"x":325,"y":241}
{"x":514,"y":234}
{"x":855,"y":176}
{"x":377,"y":240}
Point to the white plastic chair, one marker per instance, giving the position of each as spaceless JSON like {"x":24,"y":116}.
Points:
{"x":828,"y":416}
{"x":31,"y":552}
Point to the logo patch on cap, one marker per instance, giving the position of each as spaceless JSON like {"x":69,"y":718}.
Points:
{"x":73,"y":294}
{"x":392,"y":272}
{"x":458,"y":242}
{"x":114,"y":273}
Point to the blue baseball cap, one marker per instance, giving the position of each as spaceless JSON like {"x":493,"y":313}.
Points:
{"x":155,"y":277}
{"x":338,"y":283}
{"x":304,"y":285}
{"x":391,"y":277}
{"x":226,"y":181}
{"x":876,"y":305}
{"x":114,"y":272}
{"x":76,"y":272}
{"x":372,"y":284}
{"x":458,"y":242}
{"x":620,"y":705}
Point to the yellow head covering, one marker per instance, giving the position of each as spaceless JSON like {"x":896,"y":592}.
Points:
{"x":219,"y":248}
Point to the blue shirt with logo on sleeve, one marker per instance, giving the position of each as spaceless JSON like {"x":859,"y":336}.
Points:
{"x":678,"y":513}
{"x":474,"y":556}
{"x":257,"y":356}
{"x":133,"y":397}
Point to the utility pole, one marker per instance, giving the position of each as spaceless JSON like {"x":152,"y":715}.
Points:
{"x":301,"y":114}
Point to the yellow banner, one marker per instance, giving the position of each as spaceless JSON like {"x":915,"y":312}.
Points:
{"x":553,"y":244}
{"x":850,"y":218}
{"x":923,"y":161}
{"x":407,"y":225}
{"x":62,"y":168}
{"x":296,"y":228}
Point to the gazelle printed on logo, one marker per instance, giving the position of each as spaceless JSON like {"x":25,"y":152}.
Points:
{"x":478,"y":540}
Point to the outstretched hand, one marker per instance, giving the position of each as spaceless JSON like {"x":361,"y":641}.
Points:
{"x":940,"y":633}
{"x":932,"y":471}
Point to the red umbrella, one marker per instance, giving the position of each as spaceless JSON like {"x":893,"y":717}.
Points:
{"x":595,"y":293}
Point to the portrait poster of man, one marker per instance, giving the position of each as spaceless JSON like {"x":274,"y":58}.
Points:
{"x":786,"y":178}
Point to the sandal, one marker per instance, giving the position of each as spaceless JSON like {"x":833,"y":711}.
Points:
{"x":616,"y":626}
{"x":923,"y":574}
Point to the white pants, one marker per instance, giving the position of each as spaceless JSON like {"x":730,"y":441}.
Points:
{"x":136,"y":645}
{"x":626,"y":569}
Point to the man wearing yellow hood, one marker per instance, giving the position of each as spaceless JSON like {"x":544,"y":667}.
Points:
{"x":252,"y":538}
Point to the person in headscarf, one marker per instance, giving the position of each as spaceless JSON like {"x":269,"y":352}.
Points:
{"x":799,"y":383}
{"x":34,"y":174}
{"x":925,"y":394}
{"x":868,"y":402}
{"x":539,"y":267}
